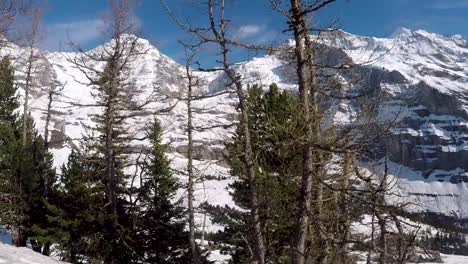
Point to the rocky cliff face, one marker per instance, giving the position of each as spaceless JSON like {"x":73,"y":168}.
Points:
{"x":427,"y":82}
{"x":424,"y":78}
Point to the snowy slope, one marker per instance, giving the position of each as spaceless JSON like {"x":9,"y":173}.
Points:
{"x":447,"y":259}
{"x":425,"y":78}
{"x":424,"y":75}
{"x":14,"y":255}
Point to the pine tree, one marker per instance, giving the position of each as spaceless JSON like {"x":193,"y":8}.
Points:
{"x":110,"y":229}
{"x":159,"y":235}
{"x":25,"y":165}
{"x":272,"y":127}
{"x":8,"y":98}
{"x":151,"y":224}
{"x":38,"y":175}
{"x":74,"y":213}
{"x":12,"y":205}
{"x":130,"y":222}
{"x":107,"y":144}
{"x":108,"y":139}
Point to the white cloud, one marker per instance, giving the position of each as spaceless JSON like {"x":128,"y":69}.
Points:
{"x":247,"y":31}
{"x":80,"y":32}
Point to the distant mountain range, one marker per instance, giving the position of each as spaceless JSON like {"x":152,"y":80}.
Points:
{"x":423,"y":75}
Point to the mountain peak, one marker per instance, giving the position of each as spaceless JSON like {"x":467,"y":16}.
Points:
{"x":141,"y":44}
{"x":401,"y":32}
{"x":405,"y":33}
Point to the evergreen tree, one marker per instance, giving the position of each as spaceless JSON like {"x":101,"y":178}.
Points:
{"x":25,"y":166}
{"x":8,"y":98}
{"x":106,"y":143}
{"x":12,"y":203}
{"x":159,"y":234}
{"x":92,"y":206}
{"x":273,"y":126}
{"x":129,"y":223}
{"x":151,"y":224}
{"x":38,"y":175}
{"x":74,"y":212}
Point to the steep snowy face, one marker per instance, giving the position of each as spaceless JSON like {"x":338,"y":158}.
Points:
{"x":423,"y":75}
{"x":158,"y":83}
{"x":154,"y":78}
{"x":428,"y":87}
{"x":419,"y":55}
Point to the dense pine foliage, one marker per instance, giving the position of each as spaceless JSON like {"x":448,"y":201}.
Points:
{"x":26,"y":172}
{"x":273,"y":127}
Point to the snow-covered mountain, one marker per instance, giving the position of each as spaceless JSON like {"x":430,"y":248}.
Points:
{"x":426,"y":76}
{"x":423,"y":75}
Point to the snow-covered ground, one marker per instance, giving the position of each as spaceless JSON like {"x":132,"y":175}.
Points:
{"x":14,"y":255}
{"x":452,"y":259}
{"x":447,"y":259}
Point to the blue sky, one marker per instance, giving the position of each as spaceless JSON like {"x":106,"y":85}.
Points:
{"x":81,"y":20}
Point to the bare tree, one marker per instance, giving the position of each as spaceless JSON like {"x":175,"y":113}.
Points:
{"x":310,"y":201}
{"x":216,"y":33}
{"x":392,"y":239}
{"x":219,"y":32}
{"x":191,"y":83}
{"x":11,"y":11}
{"x":52,"y":95}
{"x":191,"y":95}
{"x":32,"y":39}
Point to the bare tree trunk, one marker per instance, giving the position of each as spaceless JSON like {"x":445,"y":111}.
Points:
{"x":48,"y":117}
{"x":32,"y":39}
{"x":235,"y":80}
{"x":54,"y":91}
{"x":310,"y":188}
{"x":248,"y":157}
{"x":26,"y":95}
{"x":372,"y":237}
{"x":341,"y":222}
{"x":382,"y":238}
{"x":21,"y":232}
{"x":51,"y":95}
{"x":400,"y":251}
{"x":190,"y":186}
{"x":344,"y":207}
{"x":111,"y":184}
{"x":18,"y":236}
{"x":202,"y":242}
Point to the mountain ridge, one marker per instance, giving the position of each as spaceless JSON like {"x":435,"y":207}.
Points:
{"x":424,"y":74}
